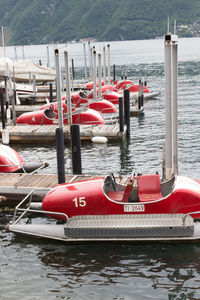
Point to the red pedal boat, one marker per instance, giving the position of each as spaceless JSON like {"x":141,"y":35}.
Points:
{"x":49,"y":116}
{"x":143,"y":194}
{"x":12,"y":162}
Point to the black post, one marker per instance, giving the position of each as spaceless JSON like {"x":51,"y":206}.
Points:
{"x":76,"y":149}
{"x":60,"y":155}
{"x":6,"y":92}
{"x":127,"y":110}
{"x":73,"y":76}
{"x":2,"y":111}
{"x":113,"y":73}
{"x":139,"y":95}
{"x":121,"y":115}
{"x":50,"y":92}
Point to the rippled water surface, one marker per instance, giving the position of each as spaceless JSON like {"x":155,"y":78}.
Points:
{"x":37,"y":269}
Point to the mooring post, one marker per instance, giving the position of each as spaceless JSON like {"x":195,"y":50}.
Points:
{"x":127,"y":111}
{"x":2,"y":110}
{"x":60,"y":155}
{"x":171,"y":136}
{"x":76,"y":149}
{"x":50,"y":92}
{"x":113,"y":73}
{"x":139,"y":96}
{"x":121,"y":115}
{"x":73,"y":74}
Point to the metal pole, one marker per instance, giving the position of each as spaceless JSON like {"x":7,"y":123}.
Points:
{"x":94,"y":76}
{"x":108,"y":46}
{"x":99,"y":77}
{"x":58,"y":90}
{"x":67,"y":82}
{"x":3,"y":41}
{"x":104,"y":64}
{"x":13,"y":99}
{"x":76,"y":149}
{"x":175,"y":106}
{"x":48,"y":58}
{"x":15,"y":53}
{"x":85,"y":61}
{"x":34,"y":85}
{"x":171,"y":144}
{"x":91,"y":70}
{"x":23,"y":56}
{"x":89,"y":59}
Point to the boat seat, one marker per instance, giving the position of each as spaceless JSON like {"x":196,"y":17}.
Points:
{"x":128,"y":189}
{"x":149,"y":188}
{"x":49,"y":113}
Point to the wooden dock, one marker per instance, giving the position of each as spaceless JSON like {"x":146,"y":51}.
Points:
{"x":15,"y":186}
{"x":46,"y":133}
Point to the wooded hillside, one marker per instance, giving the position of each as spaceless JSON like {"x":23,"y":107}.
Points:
{"x":47,"y":21}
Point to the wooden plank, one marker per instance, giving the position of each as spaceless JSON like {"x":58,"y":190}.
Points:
{"x":45,"y":133}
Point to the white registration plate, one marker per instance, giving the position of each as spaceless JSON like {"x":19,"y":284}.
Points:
{"x":134,"y":208}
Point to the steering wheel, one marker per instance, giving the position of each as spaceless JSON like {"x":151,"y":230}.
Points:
{"x":113,"y":182}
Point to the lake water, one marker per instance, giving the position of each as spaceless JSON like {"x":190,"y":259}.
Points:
{"x":38,"y":269}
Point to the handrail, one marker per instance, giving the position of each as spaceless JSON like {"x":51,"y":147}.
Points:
{"x":188,"y":214}
{"x":38,"y":211}
{"x":24,"y":199}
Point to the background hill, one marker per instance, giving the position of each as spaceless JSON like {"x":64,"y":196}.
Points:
{"x":47,"y":21}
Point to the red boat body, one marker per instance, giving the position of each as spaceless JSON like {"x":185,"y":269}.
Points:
{"x":50,"y":117}
{"x":103,"y":106}
{"x":89,"y":85}
{"x":143,"y":194}
{"x":10,"y":160}
{"x":128,"y":84}
{"x":113,"y":97}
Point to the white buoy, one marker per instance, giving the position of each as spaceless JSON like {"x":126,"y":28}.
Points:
{"x":99,"y":139}
{"x":5,"y":137}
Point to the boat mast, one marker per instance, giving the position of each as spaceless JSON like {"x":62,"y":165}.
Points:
{"x":171,"y":132}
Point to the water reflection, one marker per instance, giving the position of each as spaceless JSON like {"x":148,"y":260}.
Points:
{"x":86,"y":269}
